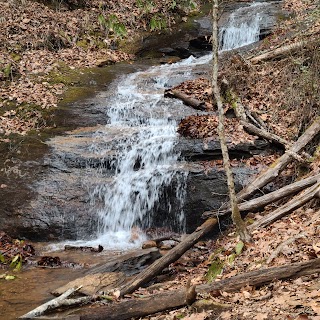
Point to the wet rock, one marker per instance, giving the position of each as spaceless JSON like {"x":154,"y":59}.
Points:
{"x":51,"y":262}
{"x":208,"y":190}
{"x":198,"y":149}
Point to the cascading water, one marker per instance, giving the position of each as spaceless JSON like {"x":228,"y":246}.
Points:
{"x":145,"y":162}
{"x":242,"y":28}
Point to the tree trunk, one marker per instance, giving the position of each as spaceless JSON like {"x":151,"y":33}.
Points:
{"x":264,"y":134}
{"x":189,"y":101}
{"x":236,"y":217}
{"x":173,"y":255}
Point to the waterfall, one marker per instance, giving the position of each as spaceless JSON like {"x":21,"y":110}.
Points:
{"x":146,"y":163}
{"x":145,"y":159}
{"x":242,"y":27}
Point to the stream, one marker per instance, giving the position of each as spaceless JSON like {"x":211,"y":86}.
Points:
{"x":111,"y":184}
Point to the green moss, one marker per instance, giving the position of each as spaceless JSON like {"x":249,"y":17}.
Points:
{"x":83,"y":44}
{"x":65,"y":75}
{"x":230,"y":98}
{"x":74,"y":94}
{"x":15,"y":56}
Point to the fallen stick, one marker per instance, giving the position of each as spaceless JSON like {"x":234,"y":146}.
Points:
{"x":255,"y":119}
{"x":281,"y":246}
{"x":50,"y":305}
{"x":177,"y":298}
{"x":83,"y":248}
{"x":290,"y":206}
{"x":284,"y":50}
{"x":266,"y":199}
{"x":174,"y":254}
{"x":251,"y":128}
{"x":189,"y":101}
{"x":273,"y":171}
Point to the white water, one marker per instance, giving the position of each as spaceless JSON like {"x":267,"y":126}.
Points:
{"x":146,"y":161}
{"x":243,"y":27}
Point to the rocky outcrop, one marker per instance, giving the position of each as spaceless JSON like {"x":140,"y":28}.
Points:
{"x":198,"y":149}
{"x":207,"y":190}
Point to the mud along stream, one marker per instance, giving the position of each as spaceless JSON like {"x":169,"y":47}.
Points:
{"x":124,"y":173}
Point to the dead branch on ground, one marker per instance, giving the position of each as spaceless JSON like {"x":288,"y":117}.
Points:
{"x":290,"y":206}
{"x":273,"y":171}
{"x":187,"y":100}
{"x":173,"y":255}
{"x":55,"y":303}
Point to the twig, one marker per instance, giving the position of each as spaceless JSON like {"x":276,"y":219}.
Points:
{"x":280,"y":247}
{"x":52,"y":304}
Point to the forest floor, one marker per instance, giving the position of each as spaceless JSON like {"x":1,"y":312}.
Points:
{"x":45,"y":44}
{"x":284,"y":92}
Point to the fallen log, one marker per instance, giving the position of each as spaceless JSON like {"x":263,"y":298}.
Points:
{"x":290,"y":206}
{"x":273,"y":171}
{"x":261,"y":202}
{"x":264,"y":134}
{"x":279,"y":52}
{"x":94,"y":284}
{"x":177,"y":298}
{"x":189,"y":101}
{"x":83,"y":248}
{"x":174,"y":254}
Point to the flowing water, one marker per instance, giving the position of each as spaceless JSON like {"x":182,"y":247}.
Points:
{"x":146,"y":162}
{"x":243,"y":26}
{"x":145,"y":159}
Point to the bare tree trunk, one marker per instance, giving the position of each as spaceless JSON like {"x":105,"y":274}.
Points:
{"x":173,"y":255}
{"x":236,"y":217}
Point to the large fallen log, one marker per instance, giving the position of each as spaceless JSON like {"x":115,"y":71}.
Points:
{"x":174,"y":254}
{"x":177,"y":298}
{"x":266,"y":199}
{"x":94,"y":284}
{"x":279,"y":52}
{"x":273,"y":171}
{"x":189,"y":101}
{"x":290,"y":206}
